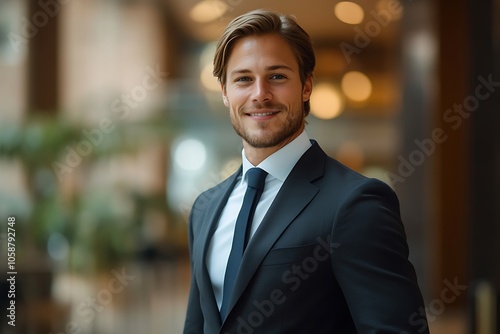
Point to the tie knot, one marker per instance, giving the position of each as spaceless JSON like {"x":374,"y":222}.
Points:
{"x":256,"y":178}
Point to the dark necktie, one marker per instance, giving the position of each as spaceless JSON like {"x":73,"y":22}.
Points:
{"x":256,"y":179}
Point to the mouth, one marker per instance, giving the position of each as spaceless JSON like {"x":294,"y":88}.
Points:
{"x":257,"y":114}
{"x":262,"y":115}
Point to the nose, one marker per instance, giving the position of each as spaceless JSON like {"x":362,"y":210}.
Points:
{"x":261,"y":91}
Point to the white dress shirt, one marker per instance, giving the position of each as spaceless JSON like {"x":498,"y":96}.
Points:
{"x":278,"y":166}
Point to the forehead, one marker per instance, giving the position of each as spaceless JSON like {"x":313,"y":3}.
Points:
{"x":261,"y":51}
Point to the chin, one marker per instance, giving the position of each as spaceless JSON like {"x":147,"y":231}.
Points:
{"x":264,"y":140}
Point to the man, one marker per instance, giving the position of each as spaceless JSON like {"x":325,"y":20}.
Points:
{"x":325,"y":250}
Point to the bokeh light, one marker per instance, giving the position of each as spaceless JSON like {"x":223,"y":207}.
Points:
{"x":326,"y":102}
{"x":356,"y":86}
{"x":349,"y":12}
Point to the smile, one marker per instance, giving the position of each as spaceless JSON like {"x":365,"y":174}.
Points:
{"x":263,"y":114}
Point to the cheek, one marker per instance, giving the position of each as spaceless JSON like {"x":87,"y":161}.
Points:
{"x":233,"y":111}
{"x":234,"y":103}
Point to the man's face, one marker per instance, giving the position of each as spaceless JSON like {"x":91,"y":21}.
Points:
{"x":263,"y":91}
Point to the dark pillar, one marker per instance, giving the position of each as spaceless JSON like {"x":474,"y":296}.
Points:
{"x":484,"y":258}
{"x":452,"y":165}
{"x":43,"y":59}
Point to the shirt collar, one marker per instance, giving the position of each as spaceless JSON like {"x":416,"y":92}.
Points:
{"x":280,"y":163}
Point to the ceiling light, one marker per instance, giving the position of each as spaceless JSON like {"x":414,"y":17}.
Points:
{"x":356,"y":86}
{"x":349,"y":12}
{"x":208,"y":11}
{"x":326,"y":102}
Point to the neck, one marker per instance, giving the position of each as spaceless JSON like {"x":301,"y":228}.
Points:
{"x":257,"y":155}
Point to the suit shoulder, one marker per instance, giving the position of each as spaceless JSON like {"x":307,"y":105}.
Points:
{"x":340,"y":181}
{"x":354,"y":183}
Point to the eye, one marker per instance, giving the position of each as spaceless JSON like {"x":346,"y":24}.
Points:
{"x":278,"y":76}
{"x":242,"y":79}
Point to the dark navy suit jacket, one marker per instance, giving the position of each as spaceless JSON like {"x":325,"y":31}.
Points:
{"x":330,"y":256}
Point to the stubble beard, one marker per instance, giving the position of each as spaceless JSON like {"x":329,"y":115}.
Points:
{"x":277,"y":133}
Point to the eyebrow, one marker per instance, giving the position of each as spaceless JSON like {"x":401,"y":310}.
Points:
{"x":268,"y":68}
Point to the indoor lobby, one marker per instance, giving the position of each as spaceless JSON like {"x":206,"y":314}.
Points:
{"x":112,"y":123}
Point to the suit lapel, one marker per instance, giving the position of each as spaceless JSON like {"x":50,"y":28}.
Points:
{"x":215,"y":203}
{"x":297,"y":191}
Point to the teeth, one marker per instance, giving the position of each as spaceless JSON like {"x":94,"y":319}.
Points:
{"x":263,"y":114}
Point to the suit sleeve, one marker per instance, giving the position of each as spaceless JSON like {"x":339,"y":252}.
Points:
{"x":371,"y":263}
{"x":194,"y":316}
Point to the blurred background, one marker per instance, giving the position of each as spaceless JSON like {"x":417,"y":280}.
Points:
{"x":111,"y":124}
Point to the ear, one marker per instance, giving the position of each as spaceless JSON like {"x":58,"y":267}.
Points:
{"x":307,"y":88}
{"x":224,"y":95}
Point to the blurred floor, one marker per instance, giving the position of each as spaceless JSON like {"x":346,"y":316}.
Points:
{"x":159,"y":300}
{"x":135,"y":298}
